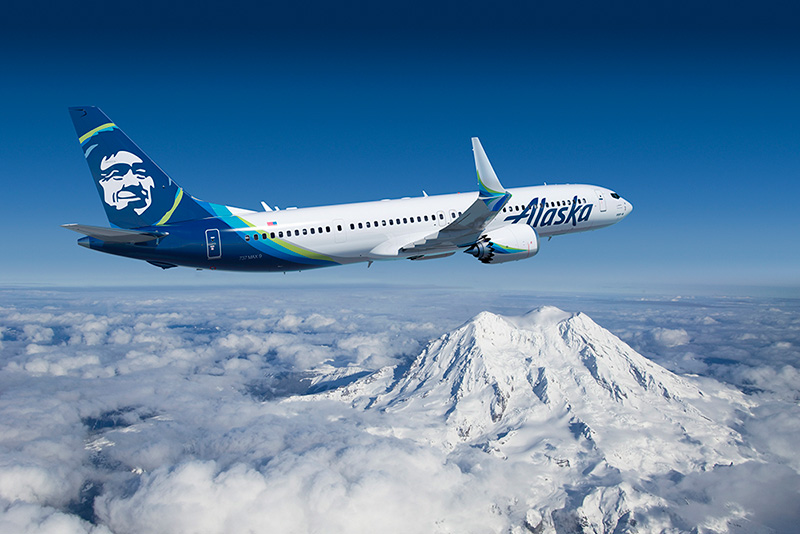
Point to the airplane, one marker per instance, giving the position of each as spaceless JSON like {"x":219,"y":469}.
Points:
{"x":154,"y":219}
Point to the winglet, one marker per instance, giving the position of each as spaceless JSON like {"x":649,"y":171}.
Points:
{"x":491,"y":190}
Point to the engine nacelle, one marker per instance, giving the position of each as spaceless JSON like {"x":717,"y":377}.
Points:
{"x":509,"y":243}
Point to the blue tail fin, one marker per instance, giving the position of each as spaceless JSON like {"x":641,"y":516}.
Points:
{"x":134,"y":190}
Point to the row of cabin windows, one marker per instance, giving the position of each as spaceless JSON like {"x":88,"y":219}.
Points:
{"x":288,"y":233}
{"x":327,"y":229}
{"x":546,"y":205}
{"x":404,"y":220}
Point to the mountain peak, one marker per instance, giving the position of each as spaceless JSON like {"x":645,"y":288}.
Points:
{"x":496,"y":381}
{"x":542,"y":315}
{"x":536,"y":318}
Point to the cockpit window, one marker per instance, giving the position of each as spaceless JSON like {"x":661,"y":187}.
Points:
{"x":614,"y":195}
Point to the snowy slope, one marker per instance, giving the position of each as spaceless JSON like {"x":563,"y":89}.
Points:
{"x":512,"y":382}
{"x":590,"y":425}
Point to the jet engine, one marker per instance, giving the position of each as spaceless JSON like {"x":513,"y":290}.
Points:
{"x":508,"y":243}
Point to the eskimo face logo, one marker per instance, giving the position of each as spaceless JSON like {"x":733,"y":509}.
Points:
{"x":126,"y":182}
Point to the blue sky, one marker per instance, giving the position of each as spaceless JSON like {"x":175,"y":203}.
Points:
{"x":690,"y":114}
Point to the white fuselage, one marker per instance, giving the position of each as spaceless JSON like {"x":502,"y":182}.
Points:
{"x":351,"y":232}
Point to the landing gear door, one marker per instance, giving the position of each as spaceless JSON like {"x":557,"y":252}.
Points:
{"x":213,"y":245}
{"x":601,"y":200}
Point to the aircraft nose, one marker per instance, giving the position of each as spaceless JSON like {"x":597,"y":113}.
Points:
{"x":628,"y":208}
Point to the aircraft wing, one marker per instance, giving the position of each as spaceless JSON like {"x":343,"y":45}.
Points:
{"x":114,"y":235}
{"x":469,"y":226}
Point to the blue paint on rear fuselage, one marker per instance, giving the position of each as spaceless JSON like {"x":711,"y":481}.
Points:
{"x":186,"y":245}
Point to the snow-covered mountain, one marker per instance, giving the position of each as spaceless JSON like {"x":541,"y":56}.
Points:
{"x":513,"y":381}
{"x":564,"y":399}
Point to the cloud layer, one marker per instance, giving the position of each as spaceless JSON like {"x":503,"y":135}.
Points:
{"x":182,"y":411}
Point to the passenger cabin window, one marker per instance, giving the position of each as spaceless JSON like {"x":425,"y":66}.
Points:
{"x":247,"y":237}
{"x":297,"y":232}
{"x":360,"y":226}
{"x":305,"y":231}
{"x":339,"y":227}
{"x":312,"y":231}
{"x":272,"y":235}
{"x":352,"y":226}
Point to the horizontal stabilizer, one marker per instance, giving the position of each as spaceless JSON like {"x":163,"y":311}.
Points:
{"x":114,"y":235}
{"x":164,"y":265}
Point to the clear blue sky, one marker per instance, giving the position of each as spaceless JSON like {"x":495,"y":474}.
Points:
{"x":691,"y":114}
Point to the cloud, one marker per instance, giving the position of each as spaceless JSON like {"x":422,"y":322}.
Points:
{"x":340,"y":487}
{"x":23,"y":518}
{"x":739,"y":491}
{"x":671,"y":337}
{"x":375,"y":350}
{"x":61,"y":366}
{"x":37,"y":333}
{"x":773,"y":428}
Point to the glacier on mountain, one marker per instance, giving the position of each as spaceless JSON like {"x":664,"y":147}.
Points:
{"x":596,"y":427}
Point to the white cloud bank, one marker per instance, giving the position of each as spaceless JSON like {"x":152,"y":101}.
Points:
{"x":167,"y":413}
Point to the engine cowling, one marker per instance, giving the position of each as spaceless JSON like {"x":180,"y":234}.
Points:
{"x":508,"y":243}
